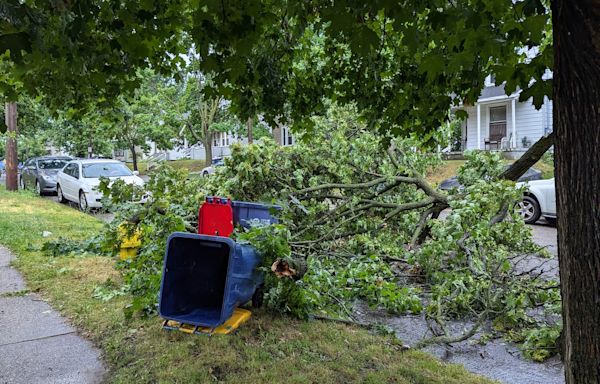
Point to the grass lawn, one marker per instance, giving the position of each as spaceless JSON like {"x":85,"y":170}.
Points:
{"x":268,"y":349}
{"x":190,"y":165}
{"x":449,"y":168}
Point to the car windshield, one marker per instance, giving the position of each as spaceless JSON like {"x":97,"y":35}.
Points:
{"x":96,"y":170}
{"x":51,"y":164}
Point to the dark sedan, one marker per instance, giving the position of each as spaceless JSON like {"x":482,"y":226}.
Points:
{"x":451,"y":183}
{"x":40,"y":173}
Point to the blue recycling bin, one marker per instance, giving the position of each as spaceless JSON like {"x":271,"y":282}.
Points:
{"x":206,"y":277}
{"x":244,"y":213}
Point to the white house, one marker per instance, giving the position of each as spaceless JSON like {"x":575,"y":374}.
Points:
{"x":283,"y":135}
{"x":501,"y":122}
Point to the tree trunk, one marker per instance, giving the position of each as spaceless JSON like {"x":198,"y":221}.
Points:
{"x":11,"y":146}
{"x":577,"y":148}
{"x":249,"y":124}
{"x":134,"y":158}
{"x":207,"y":151}
{"x":529,"y":158}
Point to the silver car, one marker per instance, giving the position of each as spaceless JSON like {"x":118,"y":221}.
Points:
{"x":40,"y":173}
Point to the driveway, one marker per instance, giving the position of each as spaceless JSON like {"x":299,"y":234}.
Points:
{"x":544,"y":235}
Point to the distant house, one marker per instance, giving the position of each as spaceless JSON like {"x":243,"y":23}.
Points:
{"x":501,"y":122}
{"x":283,"y":136}
{"x":183,"y":150}
{"x":221,"y":147}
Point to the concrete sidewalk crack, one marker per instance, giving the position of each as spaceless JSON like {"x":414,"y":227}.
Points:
{"x":36,"y":339}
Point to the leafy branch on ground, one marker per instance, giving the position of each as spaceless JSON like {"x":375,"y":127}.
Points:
{"x":358,"y":222}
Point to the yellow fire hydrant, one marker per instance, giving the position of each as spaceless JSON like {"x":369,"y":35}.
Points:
{"x":129,"y":243}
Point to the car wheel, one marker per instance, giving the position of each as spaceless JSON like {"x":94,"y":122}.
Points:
{"x":38,"y":188}
{"x":61,"y":197}
{"x":83,"y":204}
{"x":529,"y":209}
{"x":205,"y":174}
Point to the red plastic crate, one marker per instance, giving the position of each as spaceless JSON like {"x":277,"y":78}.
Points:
{"x":215,"y":217}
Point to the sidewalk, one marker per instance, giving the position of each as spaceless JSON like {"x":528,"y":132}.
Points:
{"x":36,"y":343}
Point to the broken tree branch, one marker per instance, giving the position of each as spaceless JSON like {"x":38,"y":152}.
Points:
{"x":448,"y":339}
{"x":529,"y":158}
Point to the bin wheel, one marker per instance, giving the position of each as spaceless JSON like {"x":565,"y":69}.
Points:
{"x":258,"y":296}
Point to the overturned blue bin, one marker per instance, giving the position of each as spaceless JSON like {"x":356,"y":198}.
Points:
{"x":206,"y":277}
{"x":244,"y":213}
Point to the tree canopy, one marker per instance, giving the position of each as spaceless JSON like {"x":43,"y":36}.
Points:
{"x":72,"y":51}
{"x":403,"y":64}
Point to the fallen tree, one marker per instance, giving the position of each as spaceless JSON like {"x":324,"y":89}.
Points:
{"x":359,"y":221}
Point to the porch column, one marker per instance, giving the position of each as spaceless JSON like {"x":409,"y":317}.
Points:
{"x":478,"y":126}
{"x":514,"y":123}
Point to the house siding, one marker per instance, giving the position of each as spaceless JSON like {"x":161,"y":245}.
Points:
{"x":530,"y":123}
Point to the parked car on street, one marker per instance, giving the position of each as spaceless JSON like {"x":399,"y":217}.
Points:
{"x":539,"y":200}
{"x":79,"y":179}
{"x":452,"y":182}
{"x":217,"y":162}
{"x":40,"y":173}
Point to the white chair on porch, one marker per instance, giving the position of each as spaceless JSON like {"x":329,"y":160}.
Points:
{"x":505,"y":143}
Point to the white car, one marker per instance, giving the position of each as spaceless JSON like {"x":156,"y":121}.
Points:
{"x":79,"y":179}
{"x":539,"y":200}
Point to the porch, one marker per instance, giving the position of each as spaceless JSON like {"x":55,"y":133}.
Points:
{"x":492,"y":124}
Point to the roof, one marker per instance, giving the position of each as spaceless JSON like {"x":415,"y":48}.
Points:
{"x":492,"y":91}
{"x":54,"y":157}
{"x":95,"y":161}
{"x":495,"y":92}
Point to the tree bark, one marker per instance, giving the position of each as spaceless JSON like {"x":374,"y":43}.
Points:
{"x":576,"y":93}
{"x":207,"y":151}
{"x":11,"y":146}
{"x":529,"y":158}
{"x":134,"y":158}
{"x":90,"y":148}
{"x":249,"y":124}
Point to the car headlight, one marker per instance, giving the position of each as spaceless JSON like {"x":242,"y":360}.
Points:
{"x":47,"y":177}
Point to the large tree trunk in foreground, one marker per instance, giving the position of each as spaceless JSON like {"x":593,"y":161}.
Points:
{"x":529,"y":158}
{"x":11,"y":147}
{"x":577,"y":149}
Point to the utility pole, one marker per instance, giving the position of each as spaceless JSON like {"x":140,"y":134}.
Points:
{"x":11,"y":146}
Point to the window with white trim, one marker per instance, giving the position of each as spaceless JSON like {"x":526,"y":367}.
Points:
{"x":286,"y":136}
{"x":497,"y":123}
